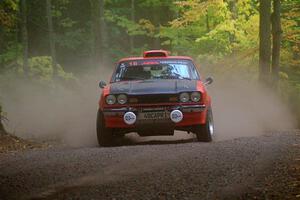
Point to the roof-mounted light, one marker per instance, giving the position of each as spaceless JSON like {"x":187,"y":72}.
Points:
{"x":156,"y":53}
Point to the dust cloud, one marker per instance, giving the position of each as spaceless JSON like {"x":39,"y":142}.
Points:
{"x":241,"y":109}
{"x":244,"y":108}
{"x":62,"y":114}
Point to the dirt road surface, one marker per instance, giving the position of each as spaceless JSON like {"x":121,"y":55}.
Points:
{"x":263,"y":167}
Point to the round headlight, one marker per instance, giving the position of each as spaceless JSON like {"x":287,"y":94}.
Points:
{"x":184,"y":97}
{"x":196,"y":96}
{"x":110,"y":99}
{"x":122,"y":99}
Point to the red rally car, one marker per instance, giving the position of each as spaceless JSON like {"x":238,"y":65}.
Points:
{"x":154,"y":95}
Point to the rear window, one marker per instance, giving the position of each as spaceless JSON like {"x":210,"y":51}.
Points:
{"x":155,"y":69}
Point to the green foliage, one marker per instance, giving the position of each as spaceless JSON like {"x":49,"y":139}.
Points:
{"x":143,"y":27}
{"x":290,"y":92}
{"x":72,"y":40}
{"x":211,"y":28}
{"x":12,"y":53}
{"x":40,"y":74}
{"x":41,"y":70}
{"x":8,"y":8}
{"x":205,"y":29}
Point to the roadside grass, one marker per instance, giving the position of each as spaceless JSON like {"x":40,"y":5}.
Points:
{"x":11,"y":143}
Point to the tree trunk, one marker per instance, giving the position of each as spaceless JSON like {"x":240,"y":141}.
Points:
{"x":207,"y":22}
{"x":132,"y":19}
{"x":51,"y":38}
{"x":98,"y":31}
{"x":264,"y":40}
{"x":24,"y":36}
{"x":95,"y":46}
{"x":156,"y":19}
{"x":2,"y":130}
{"x":234,"y":14}
{"x":233,"y":8}
{"x":103,"y":45}
{"x":276,"y":32}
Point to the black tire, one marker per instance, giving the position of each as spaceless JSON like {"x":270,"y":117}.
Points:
{"x":104,"y":135}
{"x":204,"y":132}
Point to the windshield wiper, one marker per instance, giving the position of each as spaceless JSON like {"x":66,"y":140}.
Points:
{"x":133,"y":78}
{"x":185,"y":78}
{"x":181,"y":77}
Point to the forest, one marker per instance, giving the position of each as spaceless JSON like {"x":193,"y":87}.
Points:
{"x":47,"y":42}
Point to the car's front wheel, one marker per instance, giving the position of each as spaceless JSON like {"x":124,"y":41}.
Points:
{"x":104,"y":134}
{"x":204,"y":132}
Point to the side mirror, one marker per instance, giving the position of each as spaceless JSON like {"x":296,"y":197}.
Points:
{"x":208,"y":81}
{"x":102,"y":84}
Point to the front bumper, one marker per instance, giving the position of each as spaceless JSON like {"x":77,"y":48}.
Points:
{"x":192,"y":115}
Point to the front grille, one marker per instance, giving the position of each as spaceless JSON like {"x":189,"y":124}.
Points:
{"x":154,"y":98}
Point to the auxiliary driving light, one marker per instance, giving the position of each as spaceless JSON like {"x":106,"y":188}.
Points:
{"x":129,"y":118}
{"x":176,"y":116}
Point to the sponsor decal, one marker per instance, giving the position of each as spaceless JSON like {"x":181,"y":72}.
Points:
{"x":154,"y":62}
{"x":150,"y":63}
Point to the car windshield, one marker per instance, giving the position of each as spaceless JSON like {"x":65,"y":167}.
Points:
{"x":155,"y":69}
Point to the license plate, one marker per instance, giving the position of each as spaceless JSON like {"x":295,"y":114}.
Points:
{"x":153,"y":115}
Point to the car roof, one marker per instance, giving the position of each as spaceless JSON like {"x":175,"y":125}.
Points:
{"x":156,"y":54}
{"x":153,"y":58}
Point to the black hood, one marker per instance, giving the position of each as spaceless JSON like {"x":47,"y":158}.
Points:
{"x":153,"y":87}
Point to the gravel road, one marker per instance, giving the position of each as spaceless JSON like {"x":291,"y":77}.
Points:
{"x":233,"y":169}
